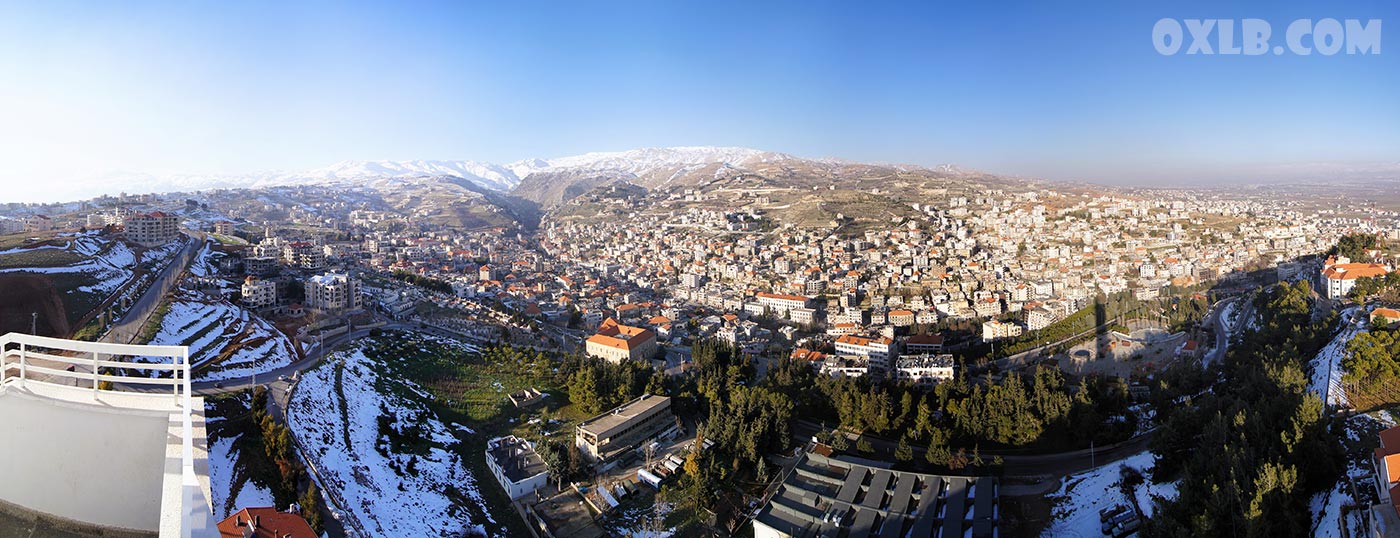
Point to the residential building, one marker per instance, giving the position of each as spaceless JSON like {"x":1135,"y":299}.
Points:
{"x":1384,"y":317}
{"x":256,"y":265}
{"x":920,"y":344}
{"x":152,"y":229}
{"x":997,"y":330}
{"x":924,"y":370}
{"x":1038,"y":318}
{"x":265,"y":522}
{"x":38,"y":223}
{"x":844,"y":366}
{"x":258,"y":293}
{"x":616,"y":342}
{"x":605,"y":436}
{"x":304,"y":255}
{"x":333,"y":292}
{"x":516,"y":466}
{"x":901,"y":318}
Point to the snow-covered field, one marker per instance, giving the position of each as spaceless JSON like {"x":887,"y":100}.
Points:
{"x":226,"y":485}
{"x":1327,"y":365}
{"x":386,"y":492}
{"x":204,"y":263}
{"x":109,"y":263}
{"x":214,"y":328}
{"x":1082,"y":496}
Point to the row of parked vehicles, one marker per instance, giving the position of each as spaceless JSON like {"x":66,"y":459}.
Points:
{"x":1119,"y":521}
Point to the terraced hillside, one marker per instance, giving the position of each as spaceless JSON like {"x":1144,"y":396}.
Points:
{"x":225,"y":340}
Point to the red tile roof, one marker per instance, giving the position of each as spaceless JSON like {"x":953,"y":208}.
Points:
{"x":270,"y":524}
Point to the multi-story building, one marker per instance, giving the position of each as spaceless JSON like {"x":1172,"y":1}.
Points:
{"x":1038,"y":318}
{"x":878,"y":349}
{"x":304,"y":255}
{"x":616,"y":342}
{"x":333,"y":292}
{"x":997,"y":330}
{"x":152,"y":229}
{"x":605,"y":436}
{"x":258,"y":293}
{"x":924,"y":370}
{"x":516,"y":466}
{"x":843,"y":366}
{"x":38,"y":223}
{"x":901,"y":318}
{"x":1339,"y":275}
{"x":1387,"y":465}
{"x":778,"y":304}
{"x":921,"y":344}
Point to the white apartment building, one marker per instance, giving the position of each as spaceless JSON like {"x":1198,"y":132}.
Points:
{"x":258,"y":293}
{"x":877,"y":349}
{"x":305,"y":255}
{"x":1038,"y":318}
{"x":997,"y":330}
{"x":516,"y":466}
{"x":924,"y":370}
{"x":332,"y":292}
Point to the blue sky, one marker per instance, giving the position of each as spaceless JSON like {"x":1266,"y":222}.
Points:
{"x":1061,"y":89}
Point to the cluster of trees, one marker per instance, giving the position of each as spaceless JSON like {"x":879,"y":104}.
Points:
{"x":278,"y":447}
{"x":1036,"y":408}
{"x":1354,"y":246}
{"x":427,"y":283}
{"x":1386,"y":287}
{"x":564,"y":461}
{"x":1247,"y":440}
{"x":596,"y":385}
{"x":1370,"y":357}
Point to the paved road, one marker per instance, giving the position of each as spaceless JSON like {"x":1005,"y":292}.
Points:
{"x":1222,"y":335}
{"x":125,"y":330}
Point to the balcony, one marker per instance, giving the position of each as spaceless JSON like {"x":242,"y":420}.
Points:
{"x":96,"y":446}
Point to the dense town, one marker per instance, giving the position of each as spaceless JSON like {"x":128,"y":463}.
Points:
{"x":927,"y":301}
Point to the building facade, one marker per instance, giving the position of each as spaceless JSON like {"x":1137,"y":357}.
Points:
{"x":152,"y":229}
{"x":333,"y":292}
{"x":258,"y":293}
{"x":608,"y":435}
{"x":616,"y":342}
{"x":516,"y":466}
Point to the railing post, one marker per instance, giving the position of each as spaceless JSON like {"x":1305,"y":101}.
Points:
{"x":95,"y":383}
{"x":23,"y":363}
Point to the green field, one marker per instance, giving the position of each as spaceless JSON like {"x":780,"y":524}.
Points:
{"x":41,"y":257}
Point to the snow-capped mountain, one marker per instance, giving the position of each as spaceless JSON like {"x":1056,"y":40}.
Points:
{"x":550,"y":180}
{"x":642,"y":161}
{"x":487,"y":175}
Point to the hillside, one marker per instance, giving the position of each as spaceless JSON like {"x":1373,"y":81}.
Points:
{"x":66,"y":277}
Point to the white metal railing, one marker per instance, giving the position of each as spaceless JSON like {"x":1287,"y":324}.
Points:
{"x":18,"y":353}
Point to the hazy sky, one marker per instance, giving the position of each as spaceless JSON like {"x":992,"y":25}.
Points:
{"x":1061,"y":89}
